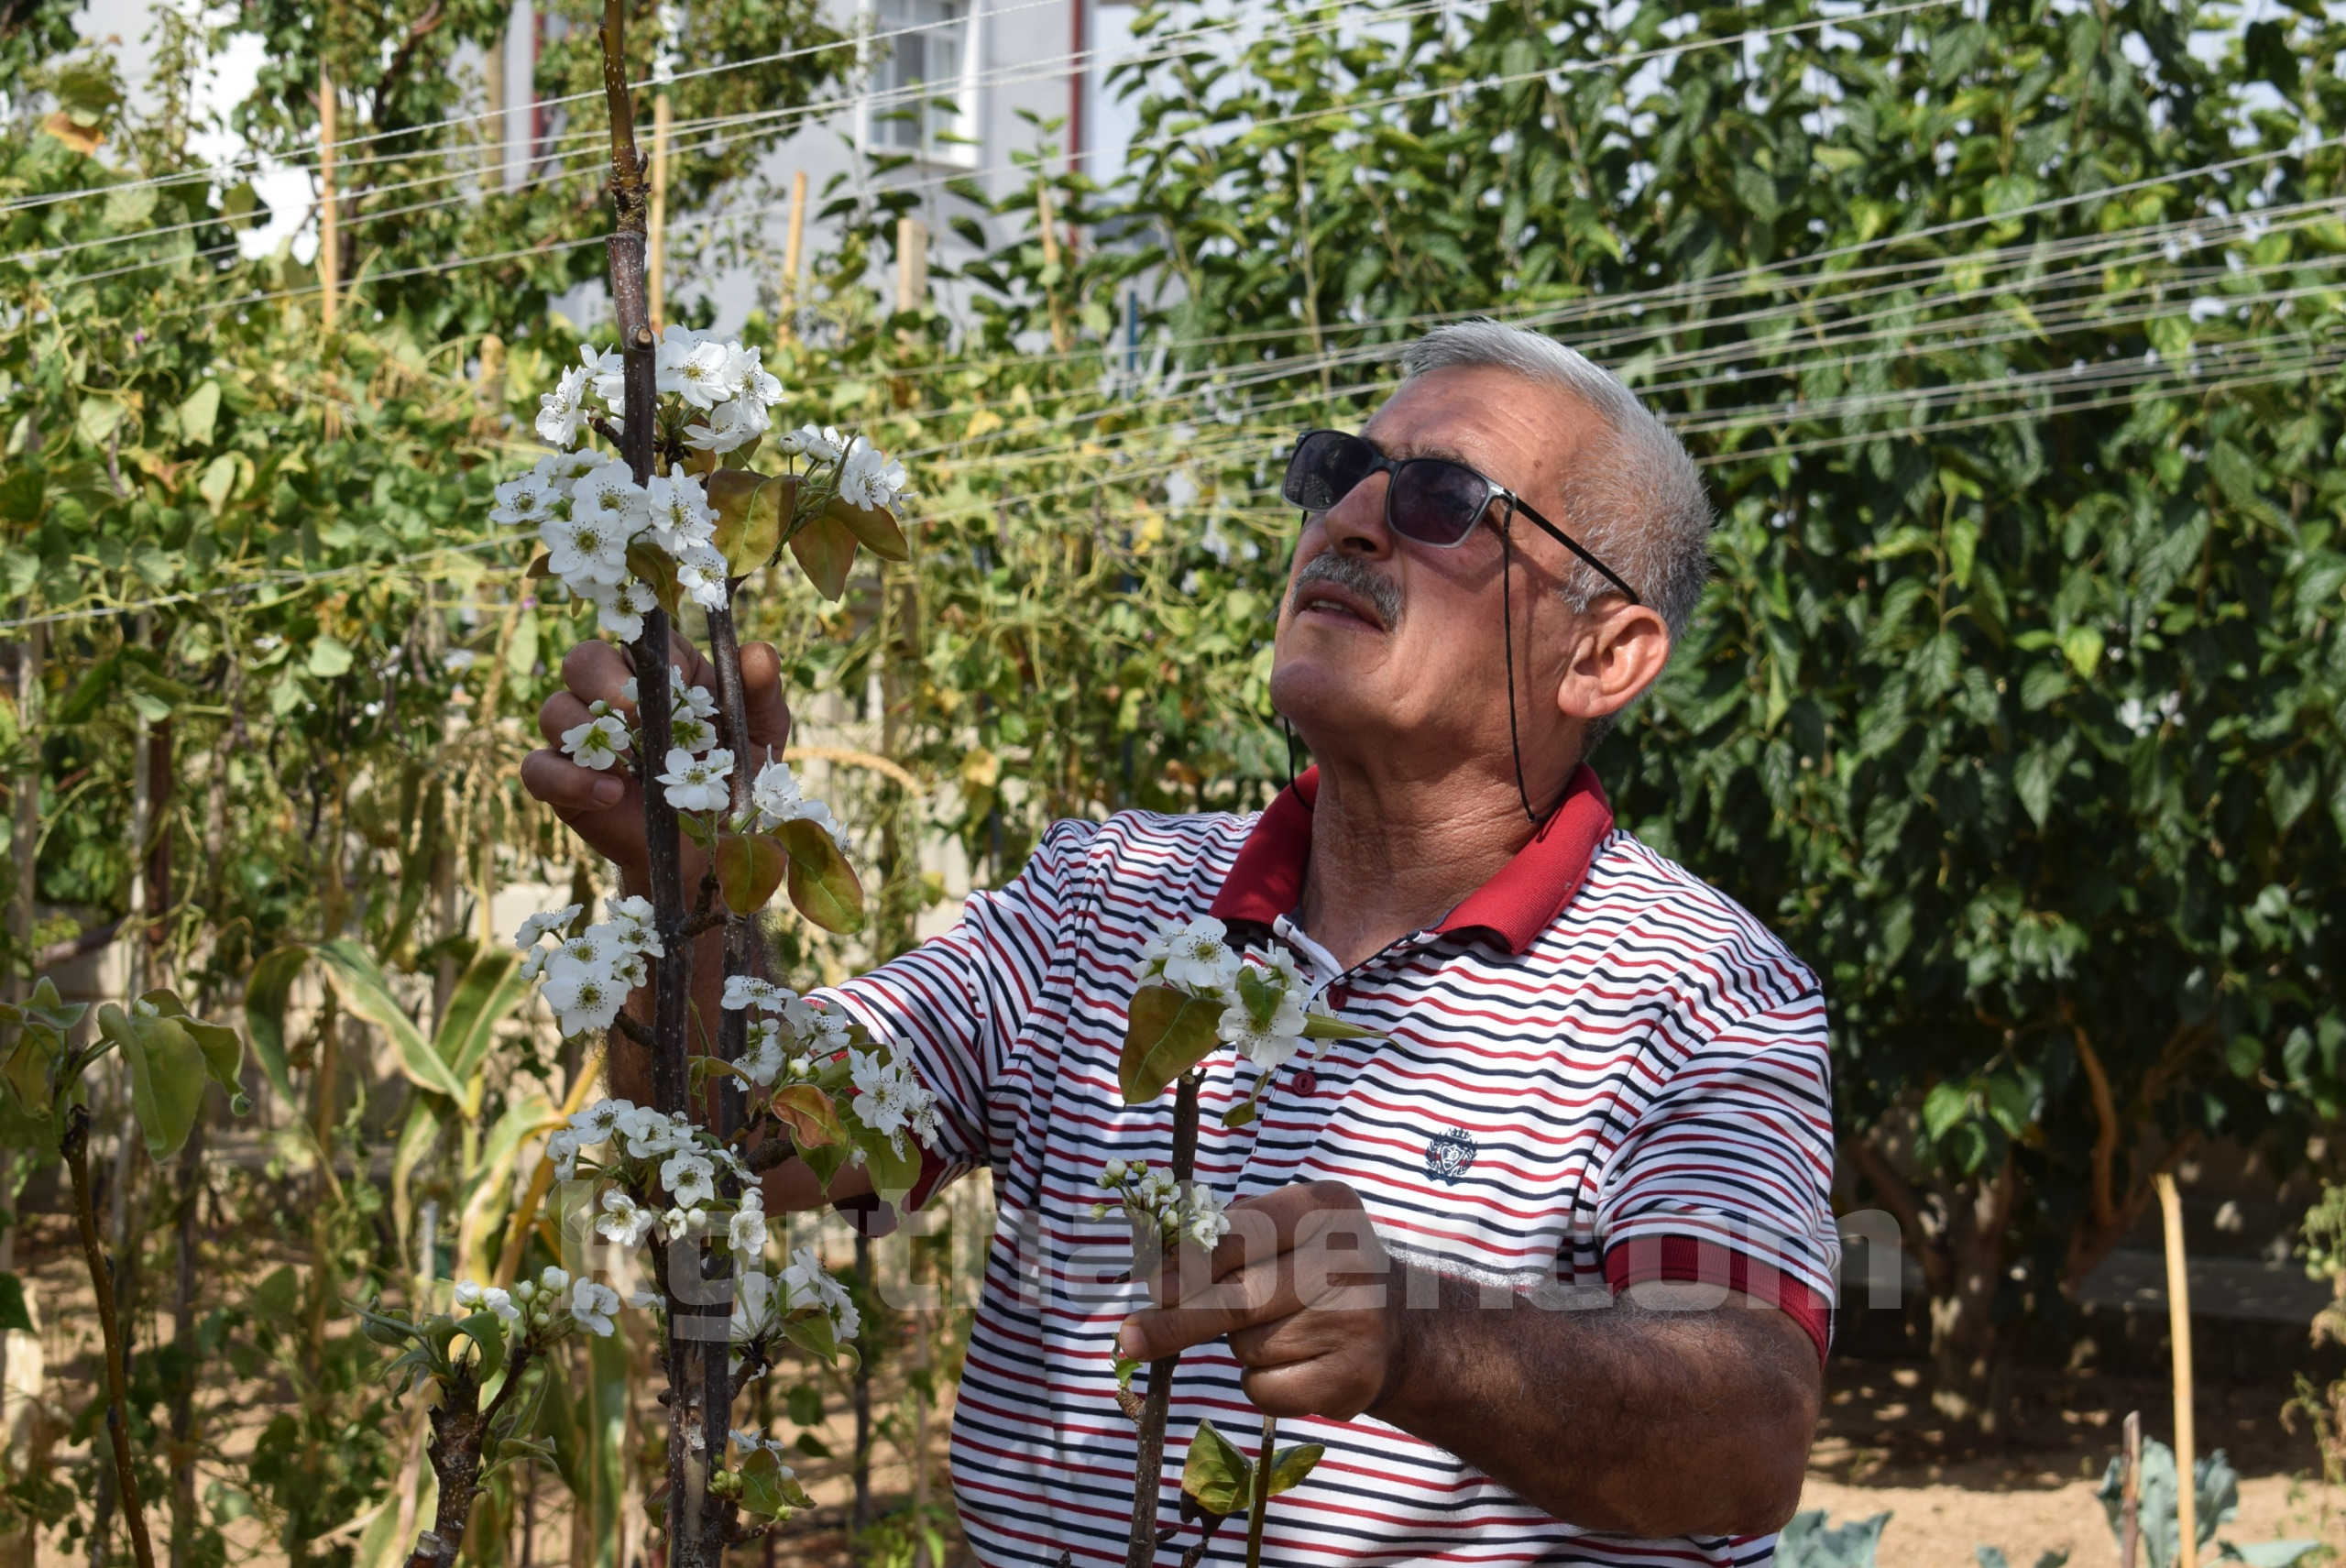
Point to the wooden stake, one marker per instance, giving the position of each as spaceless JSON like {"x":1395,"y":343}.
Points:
{"x":2179,"y":1317}
{"x":912,"y":263}
{"x":329,"y":226}
{"x":792,"y":247}
{"x":657,"y":256}
{"x":1059,"y":336}
{"x":2130,"y":1515}
{"x":492,"y":152}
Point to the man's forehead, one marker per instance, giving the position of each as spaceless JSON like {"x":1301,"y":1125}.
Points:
{"x":1487,"y":419}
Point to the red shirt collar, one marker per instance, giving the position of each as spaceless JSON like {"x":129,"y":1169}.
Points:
{"x":1516,"y":905}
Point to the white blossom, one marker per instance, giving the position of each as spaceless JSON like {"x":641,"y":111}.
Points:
{"x":554,"y":1278}
{"x":631,"y":916}
{"x":600,"y":1119}
{"x":486,"y":1297}
{"x":679,"y":510}
{"x":585,"y":552}
{"x":562,"y":1153}
{"x":693,"y":368}
{"x":619,"y":609}
{"x":648,"y":1134}
{"x":825,"y":1028}
{"x":593,"y":1303}
{"x":824,"y":446}
{"x":582,"y":997}
{"x":608,"y":372}
{"x":701,"y":571}
{"x":561,"y":471}
{"x":808,"y":1286}
{"x":563,"y":410}
{"x":729,"y":426}
{"x":528,"y":499}
{"x":691,"y":732}
{"x":1204,"y":1222}
{"x":1196,"y":957}
{"x":748,"y":991}
{"x":596,"y":744}
{"x":690,"y":1178}
{"x":868,"y":477}
{"x":753,"y":1301}
{"x":534,"y":928}
{"x":889,"y":1100}
{"x":623,"y":1219}
{"x":609,"y":494}
{"x":745,"y":1232}
{"x":698,"y":783}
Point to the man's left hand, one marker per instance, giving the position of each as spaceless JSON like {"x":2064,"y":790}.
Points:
{"x":1307,"y":1293}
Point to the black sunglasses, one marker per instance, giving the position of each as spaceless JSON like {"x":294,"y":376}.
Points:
{"x":1430,"y":499}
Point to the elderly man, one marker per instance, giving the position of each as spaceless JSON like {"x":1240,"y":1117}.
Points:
{"x":1547,"y":1263}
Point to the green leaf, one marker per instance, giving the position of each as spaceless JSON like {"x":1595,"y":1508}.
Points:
{"x":1328,"y":1026}
{"x":198,"y":413}
{"x":1167,"y":1032}
{"x":266,"y":989}
{"x":823,"y":886}
{"x":894,"y":1172}
{"x":361,"y":986}
{"x":218,"y":481}
{"x":486,"y":1330}
{"x":768,"y":1489}
{"x":826,"y":552}
{"x":2082,"y":644}
{"x":168,"y":1075}
{"x":329,"y":657}
{"x":489,"y":993}
{"x":1947,"y":1105}
{"x":750,"y":867}
{"x":2034,"y":775}
{"x":1219,"y":1477}
{"x":14,"y":1313}
{"x":1293,"y":1464}
{"x":99,"y":417}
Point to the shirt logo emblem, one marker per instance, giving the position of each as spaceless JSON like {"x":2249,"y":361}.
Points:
{"x":1448,"y":1153}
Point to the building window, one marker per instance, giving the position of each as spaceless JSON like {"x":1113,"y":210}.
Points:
{"x":921,"y":77}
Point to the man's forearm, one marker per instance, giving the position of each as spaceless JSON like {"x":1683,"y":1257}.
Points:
{"x":1624,"y":1419}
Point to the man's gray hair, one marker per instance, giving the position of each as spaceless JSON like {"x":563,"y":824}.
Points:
{"x":1636,"y":502}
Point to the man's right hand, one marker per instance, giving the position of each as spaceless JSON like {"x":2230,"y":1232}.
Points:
{"x":606,"y":809}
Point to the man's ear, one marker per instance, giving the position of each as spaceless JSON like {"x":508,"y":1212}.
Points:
{"x":1618,"y":650}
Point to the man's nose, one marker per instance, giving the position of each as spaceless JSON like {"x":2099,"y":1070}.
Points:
{"x":1355,"y":524}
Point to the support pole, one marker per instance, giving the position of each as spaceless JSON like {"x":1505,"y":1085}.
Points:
{"x":656,"y":254}
{"x":329,"y":219}
{"x":794,"y":246}
{"x":2179,"y":1317}
{"x":912,"y":263}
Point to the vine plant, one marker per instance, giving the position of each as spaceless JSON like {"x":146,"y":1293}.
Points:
{"x":676,"y":515}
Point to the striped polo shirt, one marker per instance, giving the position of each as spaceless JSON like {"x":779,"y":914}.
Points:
{"x":1595,"y":1070}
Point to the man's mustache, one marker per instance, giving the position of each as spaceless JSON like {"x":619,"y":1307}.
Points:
{"x":1350,"y":572}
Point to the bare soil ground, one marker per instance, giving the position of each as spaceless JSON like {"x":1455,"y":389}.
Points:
{"x":1882,"y":1448}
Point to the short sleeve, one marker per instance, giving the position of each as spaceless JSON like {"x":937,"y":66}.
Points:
{"x":953,"y":1006}
{"x":1725,"y":1178}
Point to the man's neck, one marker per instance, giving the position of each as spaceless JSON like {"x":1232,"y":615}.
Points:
{"x":1391,"y":857}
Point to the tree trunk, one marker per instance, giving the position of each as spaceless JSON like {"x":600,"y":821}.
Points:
{"x":1967,"y":1350}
